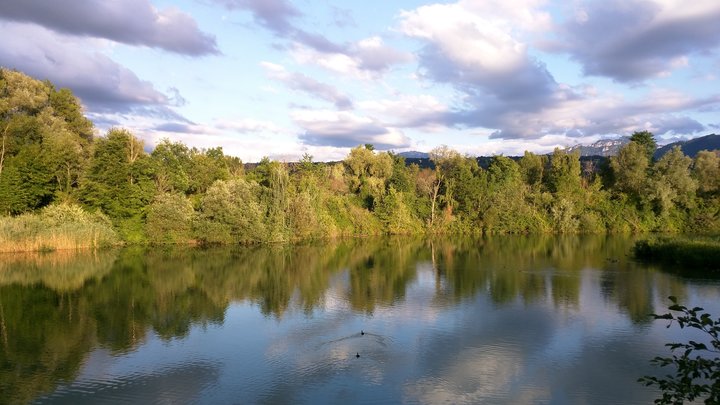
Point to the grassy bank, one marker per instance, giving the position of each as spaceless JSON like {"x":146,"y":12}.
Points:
{"x":57,"y":227}
{"x":694,"y":253}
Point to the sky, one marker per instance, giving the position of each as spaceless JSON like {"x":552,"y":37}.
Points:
{"x":284,"y":78}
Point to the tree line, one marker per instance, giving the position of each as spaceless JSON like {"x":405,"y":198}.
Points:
{"x":49,"y":157}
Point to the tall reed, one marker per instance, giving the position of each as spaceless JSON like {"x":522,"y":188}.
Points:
{"x":56,"y":227}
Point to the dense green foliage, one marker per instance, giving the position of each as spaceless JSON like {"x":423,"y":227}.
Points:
{"x":177,"y":194}
{"x":697,"y":368}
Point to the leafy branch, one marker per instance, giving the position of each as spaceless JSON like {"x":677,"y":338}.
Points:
{"x":697,"y":365}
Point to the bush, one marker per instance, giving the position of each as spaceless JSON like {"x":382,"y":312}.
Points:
{"x":230,"y":212}
{"x":394,"y":214}
{"x":169,"y":219}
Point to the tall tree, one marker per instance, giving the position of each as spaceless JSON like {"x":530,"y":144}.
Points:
{"x":210,"y":165}
{"x":66,"y":154}
{"x":172,"y":163}
{"x":368,"y":173}
{"x":564,"y":174}
{"x":671,"y":184}
{"x":20,"y":96}
{"x":629,"y":169}
{"x":646,"y":139}
{"x":119,"y":179}
{"x":44,"y":133}
{"x":706,"y":170}
{"x":445,"y":159}
{"x":68,"y":107}
{"x":532,"y":167}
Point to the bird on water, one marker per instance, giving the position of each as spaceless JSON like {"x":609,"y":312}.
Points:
{"x":362,"y":332}
{"x":357,"y":355}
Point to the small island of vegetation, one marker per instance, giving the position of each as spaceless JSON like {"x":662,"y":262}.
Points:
{"x":61,"y":186}
{"x":701,"y":254}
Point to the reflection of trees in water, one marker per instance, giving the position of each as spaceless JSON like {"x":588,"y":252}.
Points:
{"x":505,"y":267}
{"x":532,"y":267}
{"x":46,"y":336}
{"x":54,"y":308}
{"x":634,"y":288}
{"x":383,"y":273}
{"x":64,"y":270}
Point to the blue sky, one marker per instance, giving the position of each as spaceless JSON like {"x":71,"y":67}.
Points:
{"x":281,"y":78}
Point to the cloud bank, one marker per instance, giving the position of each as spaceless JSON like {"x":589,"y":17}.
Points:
{"x":132,"y":22}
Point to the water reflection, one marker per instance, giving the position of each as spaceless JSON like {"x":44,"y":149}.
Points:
{"x":57,"y":309}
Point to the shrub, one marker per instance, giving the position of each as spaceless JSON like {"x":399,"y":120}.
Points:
{"x":169,"y":219}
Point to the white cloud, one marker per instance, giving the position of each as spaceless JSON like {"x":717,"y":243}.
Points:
{"x":346,"y":129}
{"x":306,"y":84}
{"x":367,"y":59}
{"x":637,"y":40}
{"x":470,"y":41}
{"x":75,"y":63}
{"x":134,"y":22}
{"x":247,"y":125}
{"x":422,"y":111}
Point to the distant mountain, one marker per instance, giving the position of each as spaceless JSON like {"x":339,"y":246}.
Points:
{"x":693,"y":146}
{"x":413,"y":154}
{"x":603,"y":147}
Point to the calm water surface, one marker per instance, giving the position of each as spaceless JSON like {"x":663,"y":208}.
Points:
{"x":509,"y":320}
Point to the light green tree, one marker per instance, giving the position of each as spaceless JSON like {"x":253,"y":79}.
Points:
{"x":706,"y":171}
{"x":629,"y":169}
{"x":231,"y":212}
{"x":170,"y":218}
{"x":671,"y":184}
{"x":368,"y":173}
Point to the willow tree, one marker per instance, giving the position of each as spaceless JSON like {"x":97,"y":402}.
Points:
{"x":671,"y":185}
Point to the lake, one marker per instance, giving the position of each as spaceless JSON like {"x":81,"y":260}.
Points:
{"x":502,"y":320}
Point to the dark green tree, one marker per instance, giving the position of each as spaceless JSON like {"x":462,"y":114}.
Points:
{"x":67,"y":106}
{"x":646,"y":139}
{"x":119,"y":179}
{"x":564,"y":174}
{"x":172,"y":162}
{"x":532,"y":167}
{"x":210,"y":165}
{"x":27,"y":182}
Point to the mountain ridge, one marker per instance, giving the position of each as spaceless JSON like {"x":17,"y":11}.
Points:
{"x":611,"y":146}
